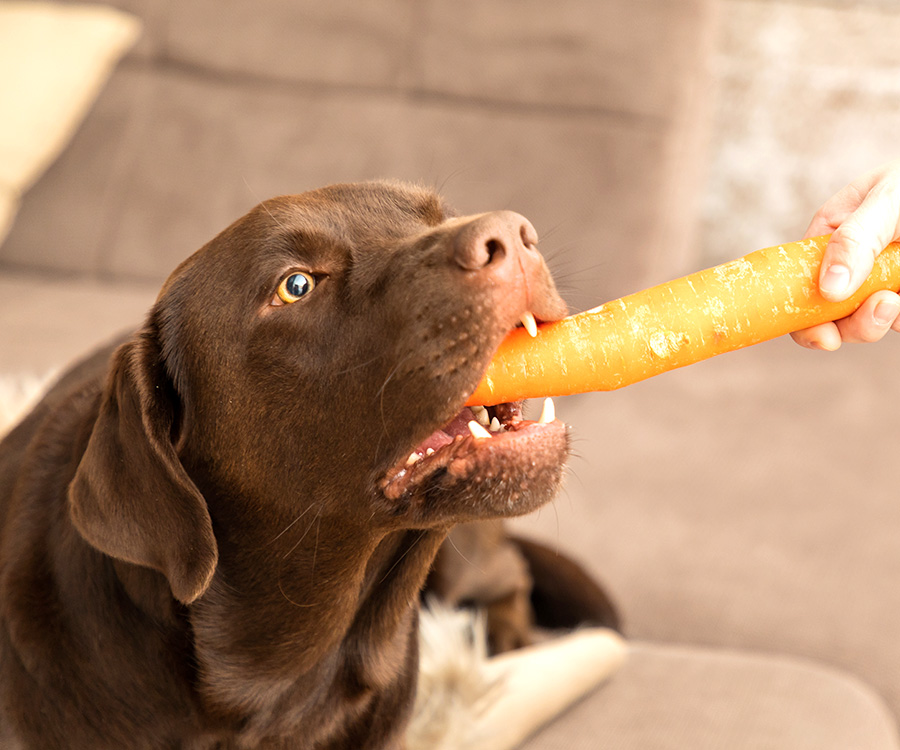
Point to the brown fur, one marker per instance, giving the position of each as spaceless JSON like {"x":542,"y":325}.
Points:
{"x":210,"y":538}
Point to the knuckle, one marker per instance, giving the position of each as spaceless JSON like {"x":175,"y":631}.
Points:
{"x":852,"y":246}
{"x":862,"y":332}
{"x":853,"y":330}
{"x":849,"y":238}
{"x":872,"y":337}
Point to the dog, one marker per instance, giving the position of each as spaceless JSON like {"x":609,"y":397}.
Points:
{"x":215,"y":534}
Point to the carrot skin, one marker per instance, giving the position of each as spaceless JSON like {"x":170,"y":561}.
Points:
{"x":759,"y":297}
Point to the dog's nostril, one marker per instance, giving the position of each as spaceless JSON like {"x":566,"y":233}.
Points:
{"x":491,"y":238}
{"x":529,"y":236}
{"x":496,"y":250}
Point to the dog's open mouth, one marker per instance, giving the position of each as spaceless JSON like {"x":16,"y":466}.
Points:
{"x":482,"y":444}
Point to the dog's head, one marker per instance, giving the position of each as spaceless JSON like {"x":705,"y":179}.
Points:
{"x":321,"y":349}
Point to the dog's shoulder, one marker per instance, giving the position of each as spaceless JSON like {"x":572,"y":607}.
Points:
{"x":57,"y":417}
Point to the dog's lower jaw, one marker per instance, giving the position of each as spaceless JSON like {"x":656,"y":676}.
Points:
{"x":475,"y":479}
{"x":345,"y":663}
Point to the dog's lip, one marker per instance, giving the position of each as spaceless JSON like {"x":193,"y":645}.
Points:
{"x":456,"y":450}
{"x":458,"y":427}
{"x":454,"y":446}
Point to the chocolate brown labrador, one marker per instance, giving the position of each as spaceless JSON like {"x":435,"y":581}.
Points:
{"x":216,"y":534}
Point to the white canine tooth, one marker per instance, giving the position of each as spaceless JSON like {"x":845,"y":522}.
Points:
{"x":548,"y":413}
{"x":477,"y":430}
{"x":481,"y":414}
{"x":413,"y":457}
{"x":429,"y":452}
{"x":495,"y":425}
{"x":530,"y":324}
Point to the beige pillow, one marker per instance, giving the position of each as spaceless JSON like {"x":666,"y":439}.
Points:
{"x":54,"y":60}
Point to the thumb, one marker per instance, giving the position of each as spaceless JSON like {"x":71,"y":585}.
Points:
{"x":848,"y":260}
{"x":855,"y":244}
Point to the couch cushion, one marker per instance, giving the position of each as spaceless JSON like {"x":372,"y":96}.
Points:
{"x":47,"y":321}
{"x":632,"y":59}
{"x":53,"y":61}
{"x":194,"y":129}
{"x":672,"y":698}
{"x":174,"y":174}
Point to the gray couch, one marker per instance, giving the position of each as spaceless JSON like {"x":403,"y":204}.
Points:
{"x":742,"y":511}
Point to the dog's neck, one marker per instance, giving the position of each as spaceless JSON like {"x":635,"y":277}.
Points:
{"x":348,"y":607}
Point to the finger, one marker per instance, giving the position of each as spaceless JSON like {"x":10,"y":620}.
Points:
{"x":826,"y":337}
{"x":865,"y":218}
{"x":875,"y":317}
{"x":837,"y":209}
{"x":847,"y":261}
{"x":841,"y":206}
{"x":856,"y":243}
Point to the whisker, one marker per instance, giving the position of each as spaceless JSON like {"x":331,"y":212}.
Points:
{"x":361,"y":364}
{"x":262,"y":204}
{"x":380,"y":395}
{"x":317,"y":520}
{"x":316,"y":547}
{"x":558,"y":531}
{"x":550,"y":232}
{"x":405,"y":553}
{"x":300,"y":540}
{"x":291,"y":601}
{"x":459,"y":552}
{"x":439,"y":188}
{"x":290,"y":525}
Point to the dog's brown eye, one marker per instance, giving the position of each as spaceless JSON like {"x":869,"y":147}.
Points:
{"x":295,"y":286}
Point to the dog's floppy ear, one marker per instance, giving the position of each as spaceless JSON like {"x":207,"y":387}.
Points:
{"x":131,"y":498}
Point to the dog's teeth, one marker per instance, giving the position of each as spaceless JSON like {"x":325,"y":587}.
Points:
{"x":478,"y":430}
{"x":495,"y":425}
{"x":429,"y":452}
{"x":530,"y":324}
{"x":481,"y":414}
{"x":413,"y":457}
{"x":548,"y":413}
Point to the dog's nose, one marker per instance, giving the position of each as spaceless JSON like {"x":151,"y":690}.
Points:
{"x":492,"y":237}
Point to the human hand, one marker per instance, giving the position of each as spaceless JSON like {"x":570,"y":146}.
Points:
{"x":863,"y":218}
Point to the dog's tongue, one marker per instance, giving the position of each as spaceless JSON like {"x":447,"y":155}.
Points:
{"x":444,"y":436}
{"x":459,"y":425}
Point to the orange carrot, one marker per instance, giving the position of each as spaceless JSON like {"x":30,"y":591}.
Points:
{"x":755,"y":298}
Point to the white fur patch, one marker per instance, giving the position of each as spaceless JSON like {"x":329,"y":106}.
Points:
{"x":18,"y":393}
{"x":468,"y":700}
{"x":453,"y":683}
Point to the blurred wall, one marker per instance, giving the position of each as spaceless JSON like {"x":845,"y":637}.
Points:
{"x":808,"y":97}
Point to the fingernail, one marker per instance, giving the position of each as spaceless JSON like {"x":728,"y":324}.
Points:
{"x":836,"y":279}
{"x":886,"y":313}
